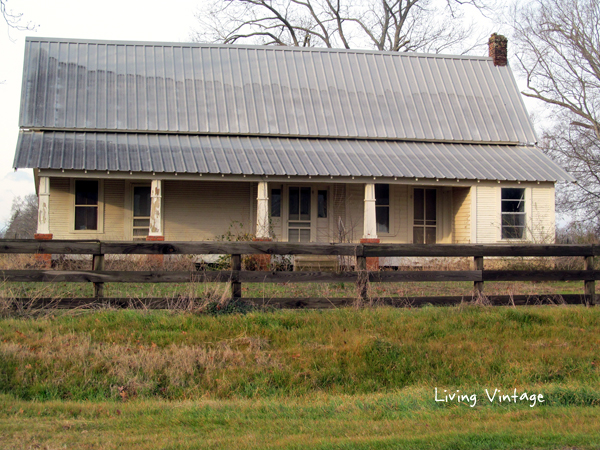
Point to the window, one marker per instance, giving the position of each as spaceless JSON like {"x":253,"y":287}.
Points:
{"x":513,"y":213}
{"x":86,"y":204}
{"x":322,"y":204}
{"x":299,"y":203}
{"x":275,"y":202}
{"x":141,"y":212}
{"x":425,"y":216}
{"x":382,"y":207}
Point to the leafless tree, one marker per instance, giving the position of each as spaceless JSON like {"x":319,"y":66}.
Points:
{"x":14,"y":20}
{"x":23,"y":221}
{"x":392,"y":25}
{"x":558,"y":49}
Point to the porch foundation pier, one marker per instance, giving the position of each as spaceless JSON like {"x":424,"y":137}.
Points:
{"x":263,"y":229}
{"x":156,"y":232}
{"x":43,"y":225}
{"x":370,"y":225}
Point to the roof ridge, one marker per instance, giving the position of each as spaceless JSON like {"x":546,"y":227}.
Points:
{"x":253,"y":47}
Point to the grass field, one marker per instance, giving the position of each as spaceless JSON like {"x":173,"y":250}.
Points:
{"x":346,"y":378}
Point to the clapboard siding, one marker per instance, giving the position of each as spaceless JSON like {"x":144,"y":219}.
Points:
{"x":488,"y":215}
{"x":355,"y":204}
{"x":111,"y":212}
{"x":543,"y":220}
{"x":114,"y":200}
{"x":398,"y":215}
{"x":61,"y":204}
{"x":339,"y":211}
{"x":198,"y":211}
{"x":461,"y":206}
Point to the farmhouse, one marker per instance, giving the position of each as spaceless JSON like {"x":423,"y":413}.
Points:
{"x":174,"y":141}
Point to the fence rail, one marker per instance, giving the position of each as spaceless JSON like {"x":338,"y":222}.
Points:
{"x":361,"y":276}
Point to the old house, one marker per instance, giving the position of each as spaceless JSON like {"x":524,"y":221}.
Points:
{"x":174,"y":141}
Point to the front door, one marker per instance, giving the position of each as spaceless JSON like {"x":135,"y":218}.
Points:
{"x":299,"y":214}
{"x":141,"y":212}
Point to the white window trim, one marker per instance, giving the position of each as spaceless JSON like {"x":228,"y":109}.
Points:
{"x":528,"y":214}
{"x":100,"y":229}
{"x":392,"y":207}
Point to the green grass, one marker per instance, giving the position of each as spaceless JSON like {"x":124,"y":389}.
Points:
{"x":407,"y":419}
{"x":332,"y":379}
{"x":293,"y":353}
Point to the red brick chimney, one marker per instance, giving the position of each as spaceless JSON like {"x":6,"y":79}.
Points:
{"x":498,"y":49}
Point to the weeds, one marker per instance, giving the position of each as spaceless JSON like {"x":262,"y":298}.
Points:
{"x":149,"y":354}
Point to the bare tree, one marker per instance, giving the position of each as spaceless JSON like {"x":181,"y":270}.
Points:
{"x":14,"y":20}
{"x":24,"y":218}
{"x":558,"y":50}
{"x":392,"y":25}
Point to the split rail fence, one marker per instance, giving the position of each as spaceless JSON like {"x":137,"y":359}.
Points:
{"x":361,"y":276}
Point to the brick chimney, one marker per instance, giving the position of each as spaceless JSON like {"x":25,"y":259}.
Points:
{"x":498,"y":49}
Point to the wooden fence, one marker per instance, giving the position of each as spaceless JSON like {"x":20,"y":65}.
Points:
{"x":361,"y":276}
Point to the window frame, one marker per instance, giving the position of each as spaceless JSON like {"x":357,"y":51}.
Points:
{"x":100,"y":225}
{"x":525,"y":214}
{"x":390,"y":211}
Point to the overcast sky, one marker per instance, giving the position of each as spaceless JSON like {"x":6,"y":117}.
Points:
{"x":134,"y":20}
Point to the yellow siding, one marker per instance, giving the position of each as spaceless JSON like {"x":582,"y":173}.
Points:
{"x":488,"y":215}
{"x":339,"y":211}
{"x":461,"y":206}
{"x":114,"y":199}
{"x":61,"y":204}
{"x":197,"y":211}
{"x":542,"y":223}
{"x":399,"y":215}
{"x":355,"y":201}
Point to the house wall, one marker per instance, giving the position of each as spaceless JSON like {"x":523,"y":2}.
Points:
{"x":200,"y":210}
{"x":62,"y":209}
{"x":461,"y":208}
{"x":539,"y":209}
{"x":203,"y":210}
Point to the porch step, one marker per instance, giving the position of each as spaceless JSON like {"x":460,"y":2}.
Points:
{"x":316,"y":263}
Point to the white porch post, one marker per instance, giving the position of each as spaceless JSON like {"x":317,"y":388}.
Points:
{"x":43,"y":226}
{"x":370,"y":224}
{"x":156,"y":212}
{"x":262,"y":212}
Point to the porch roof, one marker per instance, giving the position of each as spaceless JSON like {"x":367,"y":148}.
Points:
{"x":253,"y":155}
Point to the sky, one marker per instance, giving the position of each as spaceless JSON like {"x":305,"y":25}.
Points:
{"x":134,"y":20}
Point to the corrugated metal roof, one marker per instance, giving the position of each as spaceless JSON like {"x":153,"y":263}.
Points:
{"x":277,"y":91}
{"x":282,"y":156}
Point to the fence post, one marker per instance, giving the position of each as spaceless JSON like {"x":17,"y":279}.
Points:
{"x":363,"y":277}
{"x":98,"y":264}
{"x":589,"y":285}
{"x":478,"y":265}
{"x":236,"y":286}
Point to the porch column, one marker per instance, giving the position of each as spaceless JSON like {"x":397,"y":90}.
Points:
{"x":263,"y":230}
{"x":370,"y":224}
{"x":156,"y":212}
{"x":43,"y":225}
{"x":262,"y":212}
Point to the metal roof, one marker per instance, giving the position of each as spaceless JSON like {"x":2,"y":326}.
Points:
{"x":282,"y":156}
{"x":265,"y":90}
